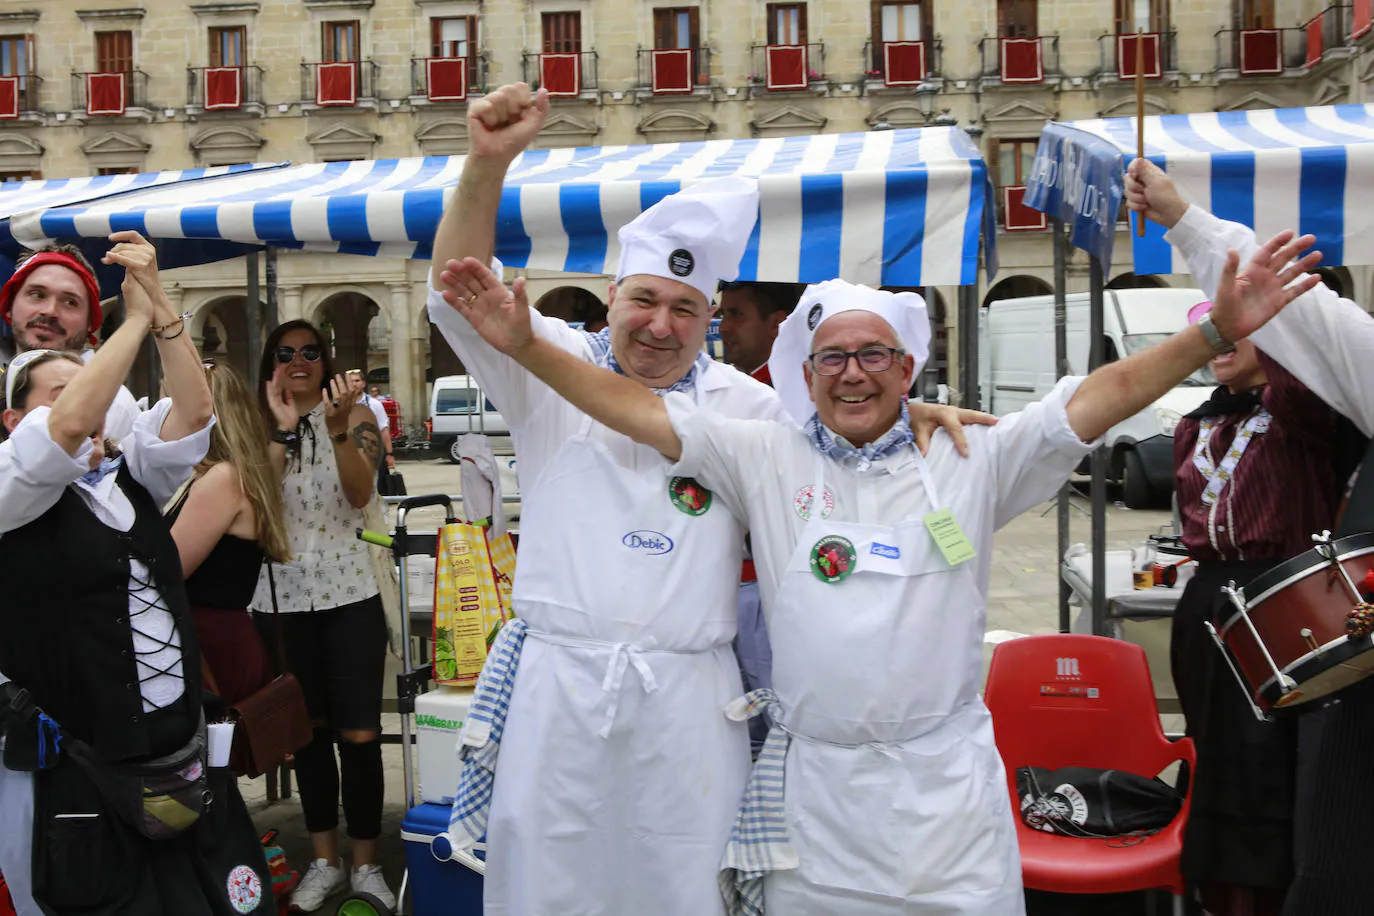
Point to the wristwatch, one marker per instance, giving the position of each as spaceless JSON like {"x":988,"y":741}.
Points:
{"x":1209,"y":330}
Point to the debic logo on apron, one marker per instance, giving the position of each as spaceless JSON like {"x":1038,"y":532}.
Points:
{"x":689,"y":496}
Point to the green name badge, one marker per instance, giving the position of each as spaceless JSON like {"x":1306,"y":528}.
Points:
{"x":949,"y":537}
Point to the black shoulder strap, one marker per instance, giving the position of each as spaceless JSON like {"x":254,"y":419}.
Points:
{"x":1357,"y":515}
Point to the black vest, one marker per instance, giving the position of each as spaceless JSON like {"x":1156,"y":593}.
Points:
{"x":64,"y":622}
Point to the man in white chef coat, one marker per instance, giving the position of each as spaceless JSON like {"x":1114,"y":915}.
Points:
{"x":618,"y":776}
{"x":1327,"y":342}
{"x":880,"y":790}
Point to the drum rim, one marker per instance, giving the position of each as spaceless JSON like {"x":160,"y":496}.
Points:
{"x":1299,"y":567}
{"x":1269,"y":690}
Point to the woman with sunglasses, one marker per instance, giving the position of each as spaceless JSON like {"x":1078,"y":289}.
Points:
{"x":331,"y":613}
{"x":226,"y":521}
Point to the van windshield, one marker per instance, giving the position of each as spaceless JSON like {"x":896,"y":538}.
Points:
{"x":1134,"y":343}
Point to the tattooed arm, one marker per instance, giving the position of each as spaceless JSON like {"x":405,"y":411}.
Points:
{"x":357,"y":455}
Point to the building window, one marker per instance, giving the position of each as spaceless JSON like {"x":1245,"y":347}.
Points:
{"x":227,"y":46}
{"x":1017,"y":19}
{"x":340,"y":42}
{"x":16,"y":55}
{"x":114,"y":53}
{"x":676,"y":27}
{"x":20,"y":176}
{"x":1014,"y":159}
{"x":116,"y":170}
{"x":1142,"y":15}
{"x":453,"y":36}
{"x":1256,"y":14}
{"x":899,"y":21}
{"x":562,"y":33}
{"x":787,"y":23}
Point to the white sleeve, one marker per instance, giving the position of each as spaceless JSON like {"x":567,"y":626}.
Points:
{"x":119,"y":419}
{"x":1326,"y":342}
{"x":34,"y":470}
{"x":162,"y":467}
{"x":1034,"y":451}
{"x":510,"y":388}
{"x":378,"y":412}
{"x":726,"y":455}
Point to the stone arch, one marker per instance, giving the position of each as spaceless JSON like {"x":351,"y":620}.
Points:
{"x":1338,"y":279}
{"x":1016,"y":288}
{"x":343,"y":317}
{"x":573,"y":304}
{"x":220,"y":326}
{"x":1129,"y":280}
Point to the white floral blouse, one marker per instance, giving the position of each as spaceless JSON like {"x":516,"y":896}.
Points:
{"x":329,"y":567}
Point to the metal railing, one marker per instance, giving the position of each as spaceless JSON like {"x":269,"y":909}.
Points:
{"x":365,"y":79}
{"x":1246,"y":50}
{"x":586,"y":68}
{"x":815,"y":61}
{"x":135,"y":88}
{"x":419,"y":74}
{"x":876,"y":64}
{"x":1109,"y":52}
{"x":250,"y":87}
{"x":700,"y":70}
{"x":990,"y":51}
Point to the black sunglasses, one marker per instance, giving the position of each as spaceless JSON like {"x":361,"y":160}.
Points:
{"x":310,"y":353}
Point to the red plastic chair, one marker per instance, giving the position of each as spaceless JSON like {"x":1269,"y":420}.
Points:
{"x":1069,"y":700}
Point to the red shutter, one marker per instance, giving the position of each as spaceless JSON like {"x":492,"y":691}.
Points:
{"x":1260,"y":52}
{"x":672,"y":70}
{"x":9,"y":97}
{"x":105,"y":93}
{"x":1361,"y":17}
{"x":1021,"y":62}
{"x":223,"y":88}
{"x":1315,"y":43}
{"x":336,"y":84}
{"x":1016,"y":216}
{"x":1126,"y":48}
{"x":904,"y":63}
{"x":787,"y":67}
{"x":561,"y":74}
{"x":447,"y":78}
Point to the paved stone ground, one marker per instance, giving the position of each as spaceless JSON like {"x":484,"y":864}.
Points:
{"x":1023,"y":593}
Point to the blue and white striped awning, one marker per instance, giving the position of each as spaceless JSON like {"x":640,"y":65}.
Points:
{"x":1309,"y":169}
{"x":899,"y":208}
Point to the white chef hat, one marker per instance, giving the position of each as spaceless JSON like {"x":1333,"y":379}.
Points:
{"x":905,"y":313}
{"x":696,"y":236}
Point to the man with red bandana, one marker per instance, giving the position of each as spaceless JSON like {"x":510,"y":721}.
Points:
{"x":52,"y":301}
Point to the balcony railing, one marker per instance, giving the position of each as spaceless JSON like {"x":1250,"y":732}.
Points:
{"x":780,"y":68}
{"x":674,"y":71}
{"x":1118,"y":53}
{"x":1020,"y":60}
{"x":338,"y":84}
{"x":109,"y":94}
{"x":902,"y":63}
{"x":224,"y":88}
{"x":1261,"y":52}
{"x":564,"y":75}
{"x":19,"y":95}
{"x":447,"y":79}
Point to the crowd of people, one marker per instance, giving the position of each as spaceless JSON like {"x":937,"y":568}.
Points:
{"x":824,"y":582}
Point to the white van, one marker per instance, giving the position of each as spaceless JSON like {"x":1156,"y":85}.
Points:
{"x":1016,"y":356}
{"x":456,"y":407}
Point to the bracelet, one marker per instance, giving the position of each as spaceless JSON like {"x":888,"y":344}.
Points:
{"x":1210,"y":331}
{"x":285,"y":436}
{"x":178,"y":320}
{"x":340,"y":439}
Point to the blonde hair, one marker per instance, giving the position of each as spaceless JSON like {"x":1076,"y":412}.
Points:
{"x":238,"y":438}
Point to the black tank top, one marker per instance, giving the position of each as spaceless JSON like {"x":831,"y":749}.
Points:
{"x":227,"y":577}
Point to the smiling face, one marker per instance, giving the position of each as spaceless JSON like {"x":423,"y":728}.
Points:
{"x":1239,"y":370}
{"x":51,"y":310}
{"x":302,"y":377}
{"x":859,"y":405}
{"x":657,"y":328}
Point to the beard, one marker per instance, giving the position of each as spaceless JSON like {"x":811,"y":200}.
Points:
{"x":26,"y":339}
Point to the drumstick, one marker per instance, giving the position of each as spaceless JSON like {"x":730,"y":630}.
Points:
{"x":1139,"y":114}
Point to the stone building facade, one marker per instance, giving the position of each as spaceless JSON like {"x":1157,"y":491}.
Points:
{"x":851,"y":65}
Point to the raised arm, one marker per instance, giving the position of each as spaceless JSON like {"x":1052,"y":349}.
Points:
{"x":356,"y":441}
{"x":192,"y":406}
{"x":1241,"y":305}
{"x":502,"y":317}
{"x":500,"y":126}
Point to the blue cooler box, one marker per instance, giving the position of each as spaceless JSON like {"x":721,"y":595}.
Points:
{"x":443,"y":881}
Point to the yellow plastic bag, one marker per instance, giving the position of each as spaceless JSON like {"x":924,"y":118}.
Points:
{"x":472,"y":599}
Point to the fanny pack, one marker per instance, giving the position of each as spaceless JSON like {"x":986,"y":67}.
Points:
{"x":158,"y":798}
{"x":1101,"y":804}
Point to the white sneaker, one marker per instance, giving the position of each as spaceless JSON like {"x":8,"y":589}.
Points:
{"x":318,"y":884}
{"x":367,"y":879}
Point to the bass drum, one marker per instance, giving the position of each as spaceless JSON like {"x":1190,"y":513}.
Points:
{"x":1298,"y":610}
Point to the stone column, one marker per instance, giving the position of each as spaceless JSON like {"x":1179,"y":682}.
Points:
{"x":407,"y":378}
{"x":290,"y":303}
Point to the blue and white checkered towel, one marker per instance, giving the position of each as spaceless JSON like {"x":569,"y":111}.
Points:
{"x":759,"y":842}
{"x":480,"y":741}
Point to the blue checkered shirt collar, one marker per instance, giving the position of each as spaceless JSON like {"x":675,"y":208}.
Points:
{"x":602,"y":355}
{"x":839,"y":448}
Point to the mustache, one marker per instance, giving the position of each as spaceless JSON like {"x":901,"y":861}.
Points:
{"x":51,"y":324}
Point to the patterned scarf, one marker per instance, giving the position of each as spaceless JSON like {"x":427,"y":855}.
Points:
{"x":600,"y":342}
{"x":839,"y":448}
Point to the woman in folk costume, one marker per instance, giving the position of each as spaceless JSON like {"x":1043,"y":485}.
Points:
{"x":95,"y":632}
{"x":1255,"y":478}
{"x":879,"y":790}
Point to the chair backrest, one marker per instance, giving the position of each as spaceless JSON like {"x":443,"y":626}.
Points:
{"x":1071,"y":700}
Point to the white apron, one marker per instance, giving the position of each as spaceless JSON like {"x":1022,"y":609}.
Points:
{"x":619,"y":776}
{"x":896,"y":799}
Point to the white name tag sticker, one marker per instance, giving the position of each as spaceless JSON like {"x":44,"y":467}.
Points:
{"x":949,"y":537}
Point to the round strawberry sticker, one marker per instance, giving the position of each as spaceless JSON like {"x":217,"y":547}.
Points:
{"x":689,"y":496}
{"x":832,"y":559}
